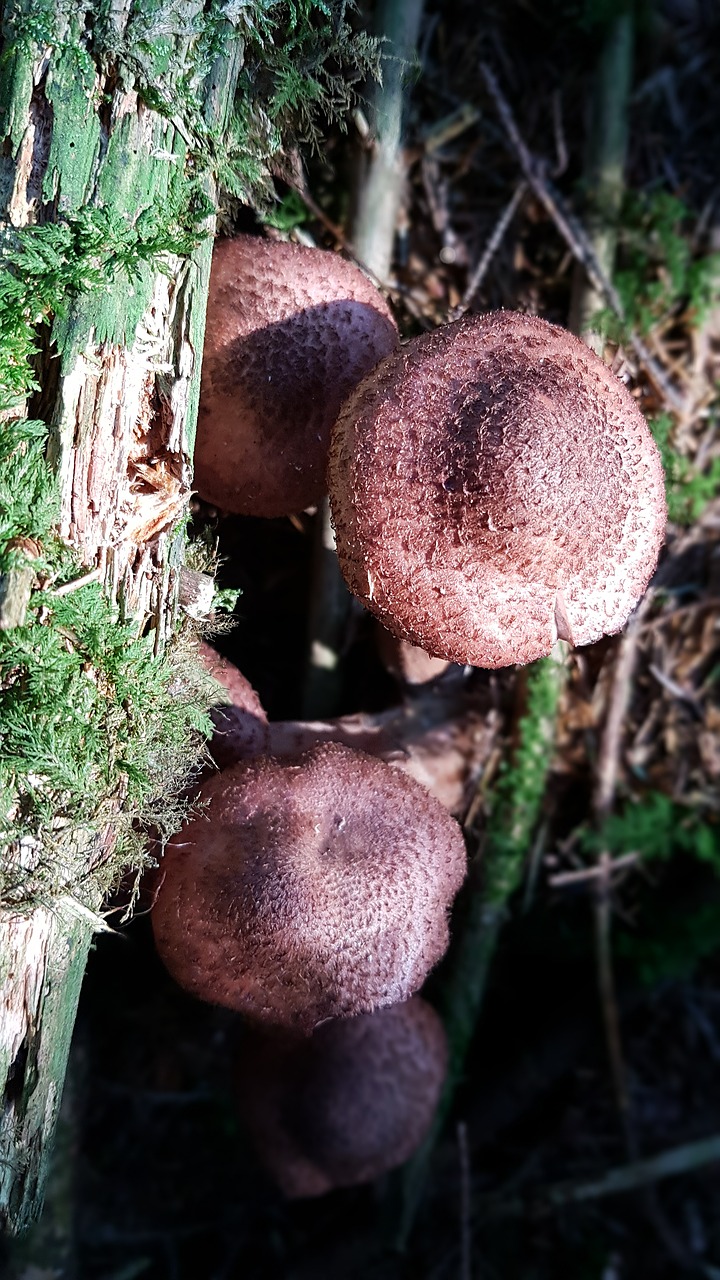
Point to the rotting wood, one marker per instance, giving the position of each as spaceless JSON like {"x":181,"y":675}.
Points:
{"x":120,"y":382}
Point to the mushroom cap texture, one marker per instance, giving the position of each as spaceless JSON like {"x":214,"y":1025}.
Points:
{"x":290,"y":331}
{"x":350,"y":1102}
{"x":309,"y":888}
{"x":494,"y":487}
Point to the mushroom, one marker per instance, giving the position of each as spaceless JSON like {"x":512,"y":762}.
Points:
{"x":289,"y":333}
{"x":494,"y":487}
{"x":348,"y":1103}
{"x":442,"y":736}
{"x":241,"y":726}
{"x":309,"y":888}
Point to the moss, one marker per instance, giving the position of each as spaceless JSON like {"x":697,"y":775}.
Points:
{"x":93,"y":726}
{"x":518,"y":797}
{"x":96,"y":732}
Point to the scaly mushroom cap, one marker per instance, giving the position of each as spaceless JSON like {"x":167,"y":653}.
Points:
{"x":309,"y":888}
{"x":495,"y":487}
{"x":290,"y":331}
{"x":352,"y":1101}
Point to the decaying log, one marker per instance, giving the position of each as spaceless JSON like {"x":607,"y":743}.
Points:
{"x":119,"y":387}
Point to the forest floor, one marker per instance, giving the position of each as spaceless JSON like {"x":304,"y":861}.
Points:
{"x":154,"y":1176}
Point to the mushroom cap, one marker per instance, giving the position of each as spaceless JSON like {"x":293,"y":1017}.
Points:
{"x":494,"y":487}
{"x":348,"y":1103}
{"x":241,"y":726}
{"x":290,"y":331}
{"x":309,"y":888}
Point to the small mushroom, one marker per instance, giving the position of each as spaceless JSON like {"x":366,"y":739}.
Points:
{"x":241,"y":726}
{"x":309,"y":888}
{"x":347,"y":1104}
{"x":494,"y":487}
{"x":290,"y":331}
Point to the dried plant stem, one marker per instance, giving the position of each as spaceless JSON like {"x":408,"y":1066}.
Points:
{"x":465,"y":1203}
{"x":608,"y":999}
{"x":604,"y":798}
{"x":372,"y":237}
{"x":621,"y":690}
{"x":607,"y":775}
{"x":604,"y":169}
{"x":495,"y":873}
{"x":637,"y":1175}
{"x":398,"y":21}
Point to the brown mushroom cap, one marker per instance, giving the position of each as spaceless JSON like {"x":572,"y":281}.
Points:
{"x":350,"y":1102}
{"x":241,"y":726}
{"x":495,"y":487}
{"x":290,"y":331}
{"x":309,"y":888}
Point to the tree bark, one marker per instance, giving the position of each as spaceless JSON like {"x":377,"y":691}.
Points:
{"x":119,"y":391}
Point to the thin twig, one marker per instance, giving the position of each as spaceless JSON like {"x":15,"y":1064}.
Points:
{"x":640,"y":1173}
{"x":611,"y":741}
{"x":87,"y":578}
{"x":491,"y":249}
{"x":465,"y":1203}
{"x":633,"y":1176}
{"x":586,"y":874}
{"x":608,"y":1000}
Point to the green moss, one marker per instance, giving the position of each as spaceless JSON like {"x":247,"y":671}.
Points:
{"x":518,"y":796}
{"x":96,"y":732}
{"x":659,"y":275}
{"x":671,"y":945}
{"x":688,"y":488}
{"x":301,"y":63}
{"x":45,"y":269}
{"x":656,"y":827}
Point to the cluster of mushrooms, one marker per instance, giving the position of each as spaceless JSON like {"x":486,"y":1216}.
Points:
{"x":493,"y":488}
